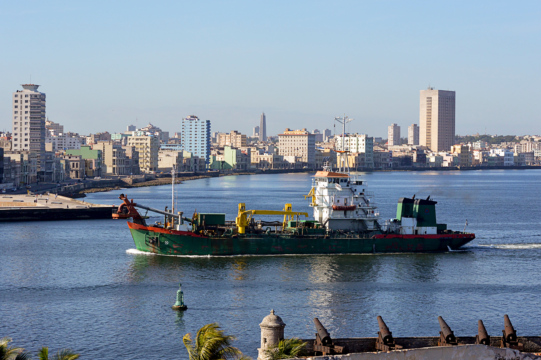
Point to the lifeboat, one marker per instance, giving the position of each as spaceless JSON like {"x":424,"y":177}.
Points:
{"x":344,"y":207}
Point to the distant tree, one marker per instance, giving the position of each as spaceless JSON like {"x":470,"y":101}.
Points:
{"x":211,"y":344}
{"x":286,"y":349}
{"x":12,"y":353}
{"x":64,"y":354}
{"x":493,"y":140}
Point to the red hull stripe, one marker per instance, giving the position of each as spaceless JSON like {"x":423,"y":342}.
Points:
{"x":427,"y":236}
{"x":135,"y":226}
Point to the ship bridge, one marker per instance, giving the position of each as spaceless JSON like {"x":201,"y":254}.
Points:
{"x":341,"y":202}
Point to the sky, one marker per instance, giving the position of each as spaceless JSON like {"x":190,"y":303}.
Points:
{"x":108,"y":64}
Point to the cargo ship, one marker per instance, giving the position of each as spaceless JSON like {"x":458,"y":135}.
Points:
{"x":345,"y":221}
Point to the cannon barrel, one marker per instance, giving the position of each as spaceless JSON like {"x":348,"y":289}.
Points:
{"x":482,"y":335}
{"x":323,"y":333}
{"x":386,"y":335}
{"x":446,"y":331}
{"x":509,"y":331}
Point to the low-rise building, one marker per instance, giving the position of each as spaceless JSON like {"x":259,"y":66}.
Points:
{"x":169,"y":159}
{"x":193,"y":163}
{"x":480,"y":157}
{"x":63,"y":141}
{"x":114,"y":158}
{"x":26,"y":168}
{"x":132,"y":160}
{"x":92,"y":158}
{"x":357,"y":143}
{"x":325,"y":156}
{"x":236,"y":158}
{"x":94,"y":138}
{"x":434,"y":160}
{"x":74,"y":166}
{"x":234,"y":139}
{"x":268,"y":161}
{"x":504,"y":157}
{"x":463,"y":153}
{"x":383,"y":159}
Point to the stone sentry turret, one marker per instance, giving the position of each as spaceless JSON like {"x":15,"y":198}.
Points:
{"x":272,"y":331}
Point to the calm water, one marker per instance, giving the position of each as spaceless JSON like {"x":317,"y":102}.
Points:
{"x":79,"y":284}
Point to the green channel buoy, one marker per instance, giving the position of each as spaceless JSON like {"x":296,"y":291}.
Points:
{"x":179,"y":304}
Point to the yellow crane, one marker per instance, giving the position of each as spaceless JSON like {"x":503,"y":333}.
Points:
{"x":244,"y":216}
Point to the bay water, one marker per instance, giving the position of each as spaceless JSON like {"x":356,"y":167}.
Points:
{"x":81,"y":284}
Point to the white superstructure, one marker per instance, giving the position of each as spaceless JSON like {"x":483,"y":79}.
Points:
{"x":342,"y":202}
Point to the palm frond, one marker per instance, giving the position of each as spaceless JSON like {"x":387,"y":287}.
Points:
{"x":188,"y":343}
{"x":7,"y":352}
{"x":286,"y":349}
{"x":211,"y":344}
{"x":23,"y":356}
{"x":43,"y":353}
{"x":66,"y":354}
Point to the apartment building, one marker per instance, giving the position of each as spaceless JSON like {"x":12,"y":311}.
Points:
{"x":196,"y":137}
{"x":298,"y":143}
{"x":234,"y":139}
{"x":413,"y":134}
{"x":393,"y":135}
{"x":148,"y":148}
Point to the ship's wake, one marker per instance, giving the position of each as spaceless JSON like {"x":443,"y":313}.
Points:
{"x":506,"y":246}
{"x":138,"y":252}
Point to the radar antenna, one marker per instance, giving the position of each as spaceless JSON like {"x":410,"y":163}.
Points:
{"x":342,"y":160}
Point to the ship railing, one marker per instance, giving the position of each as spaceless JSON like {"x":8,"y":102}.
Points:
{"x":368,"y":217}
{"x":369,"y":194}
{"x":367,"y":203}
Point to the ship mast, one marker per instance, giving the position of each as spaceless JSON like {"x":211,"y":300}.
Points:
{"x":343,"y":165}
{"x":173,"y":190}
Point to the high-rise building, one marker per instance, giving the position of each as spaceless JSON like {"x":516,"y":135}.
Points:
{"x":437,"y":119}
{"x":413,"y":134}
{"x":393,"y":135}
{"x":256,"y":131}
{"x":319,"y":135}
{"x":263,"y":128}
{"x":29,"y":120}
{"x":196,"y":137}
{"x":327,"y":134}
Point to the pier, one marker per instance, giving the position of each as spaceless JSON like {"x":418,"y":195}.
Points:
{"x":33,"y":207}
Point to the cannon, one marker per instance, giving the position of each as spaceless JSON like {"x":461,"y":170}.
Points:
{"x":482,"y":337}
{"x":324,"y":343}
{"x":447,"y":337}
{"x":509,"y":338}
{"x":385,"y":341}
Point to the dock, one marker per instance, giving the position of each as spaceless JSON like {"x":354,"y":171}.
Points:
{"x":47,"y":207}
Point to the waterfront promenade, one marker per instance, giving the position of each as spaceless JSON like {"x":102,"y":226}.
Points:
{"x":77,"y":188}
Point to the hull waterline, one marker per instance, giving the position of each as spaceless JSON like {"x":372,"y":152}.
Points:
{"x":171,"y":242}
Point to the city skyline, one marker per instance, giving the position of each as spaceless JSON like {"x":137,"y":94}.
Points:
{"x":140,"y":65}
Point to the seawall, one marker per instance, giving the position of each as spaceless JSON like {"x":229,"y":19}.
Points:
{"x":50,"y":207}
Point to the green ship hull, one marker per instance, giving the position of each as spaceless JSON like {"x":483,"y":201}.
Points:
{"x":172,"y":242}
